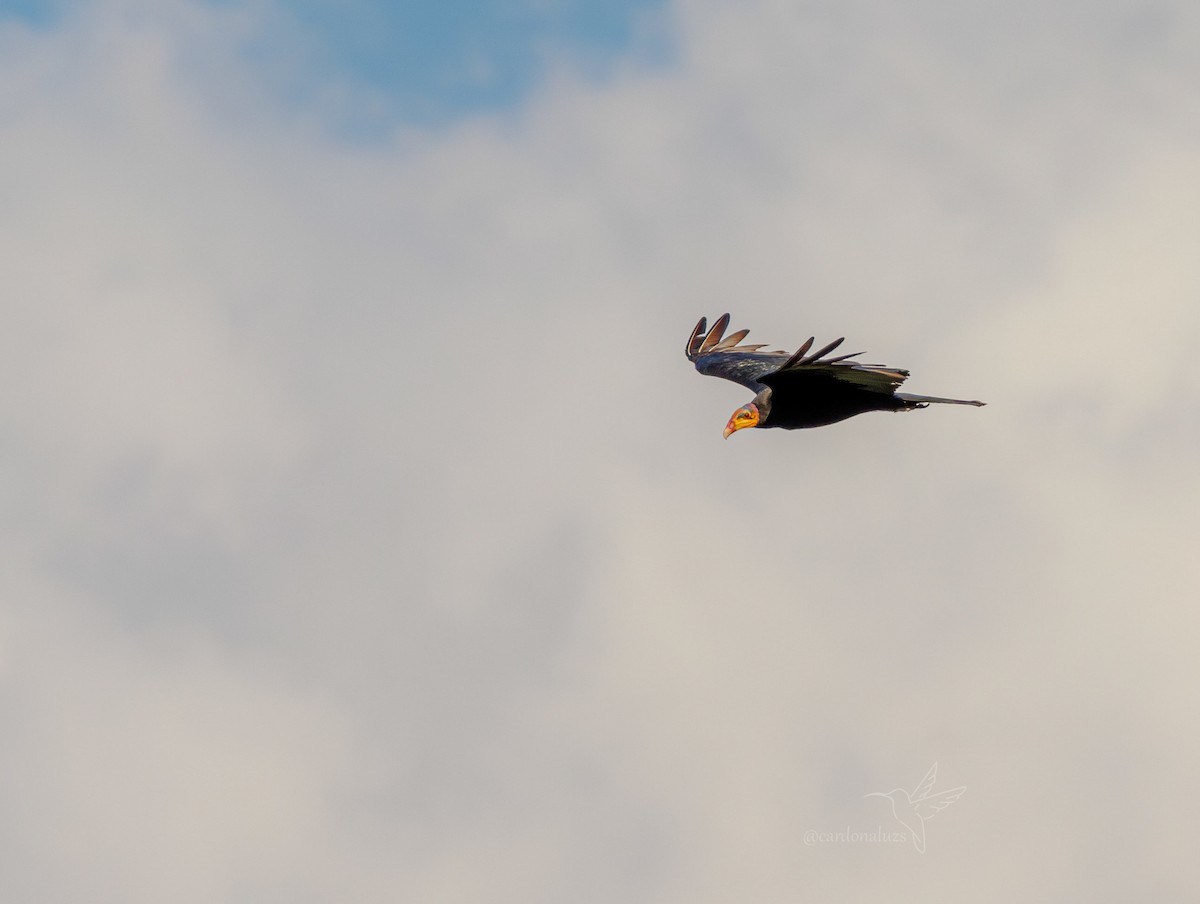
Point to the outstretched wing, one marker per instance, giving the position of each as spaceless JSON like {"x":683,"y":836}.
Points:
{"x":718,"y":355}
{"x":805,"y":374}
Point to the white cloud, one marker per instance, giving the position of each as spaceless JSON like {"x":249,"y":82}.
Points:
{"x":152,"y":763}
{"x":367,"y":532}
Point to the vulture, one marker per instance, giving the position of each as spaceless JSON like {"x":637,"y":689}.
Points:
{"x":794,"y":390}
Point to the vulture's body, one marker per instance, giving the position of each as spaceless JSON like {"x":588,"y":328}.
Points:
{"x":794,"y":390}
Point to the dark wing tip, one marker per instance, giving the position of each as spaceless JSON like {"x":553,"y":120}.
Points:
{"x":715,"y":334}
{"x":693,"y":344}
{"x":801,"y":358}
{"x":817,"y":356}
{"x":798,"y":357}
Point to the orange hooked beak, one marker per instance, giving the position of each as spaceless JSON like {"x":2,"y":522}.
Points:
{"x":746,"y":416}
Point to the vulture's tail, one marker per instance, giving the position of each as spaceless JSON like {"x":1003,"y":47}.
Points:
{"x":920,"y":401}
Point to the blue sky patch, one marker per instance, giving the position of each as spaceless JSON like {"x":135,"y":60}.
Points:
{"x":437,"y":60}
{"x":428,"y":61}
{"x":31,"y":12}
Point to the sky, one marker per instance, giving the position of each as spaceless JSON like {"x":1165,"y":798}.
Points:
{"x":368,"y":537}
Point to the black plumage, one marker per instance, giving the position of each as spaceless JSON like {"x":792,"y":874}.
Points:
{"x":800,"y":389}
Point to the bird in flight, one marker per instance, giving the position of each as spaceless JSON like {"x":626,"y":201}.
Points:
{"x":799,"y":389}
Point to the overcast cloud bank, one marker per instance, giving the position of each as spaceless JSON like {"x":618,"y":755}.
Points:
{"x":368,"y":536}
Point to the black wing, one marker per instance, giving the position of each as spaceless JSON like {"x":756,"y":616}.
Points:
{"x":808,"y":374}
{"x":723,"y":357}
